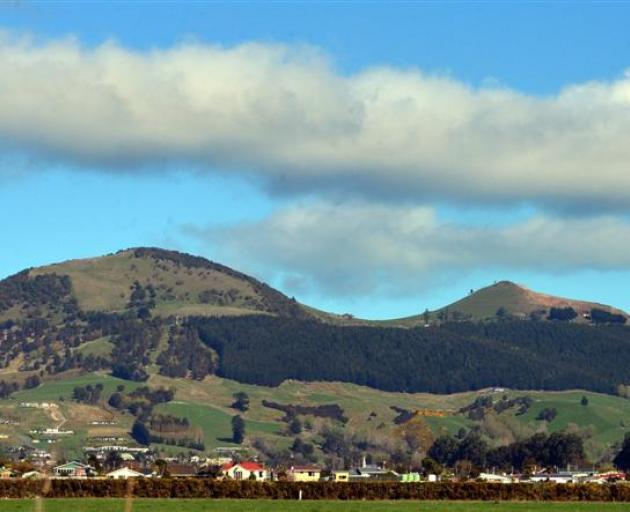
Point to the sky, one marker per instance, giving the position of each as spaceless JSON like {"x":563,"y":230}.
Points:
{"x":377,"y":158}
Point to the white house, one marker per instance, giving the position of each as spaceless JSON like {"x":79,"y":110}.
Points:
{"x":565,"y":477}
{"x":124,"y":473}
{"x":499,"y":479}
{"x":73,"y":469}
{"x":245,"y":471}
{"x":33,"y":474}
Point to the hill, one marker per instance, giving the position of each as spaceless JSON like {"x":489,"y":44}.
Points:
{"x":144,"y":311}
{"x":519,"y":302}
{"x":174,"y":283}
{"x":167,"y":338}
{"x":506,"y":299}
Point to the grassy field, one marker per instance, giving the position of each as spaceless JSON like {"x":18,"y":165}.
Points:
{"x":207,"y":404}
{"x":606,"y":415}
{"x":164,"y":505}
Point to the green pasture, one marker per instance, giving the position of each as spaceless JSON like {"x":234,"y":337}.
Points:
{"x":180,"y":505}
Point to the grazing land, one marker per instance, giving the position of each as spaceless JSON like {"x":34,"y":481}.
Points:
{"x":166,"y":505}
{"x":207,"y":404}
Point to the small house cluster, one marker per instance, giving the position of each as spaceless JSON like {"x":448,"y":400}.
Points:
{"x":120,"y":462}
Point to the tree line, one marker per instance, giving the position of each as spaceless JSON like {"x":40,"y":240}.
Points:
{"x":448,"y":358}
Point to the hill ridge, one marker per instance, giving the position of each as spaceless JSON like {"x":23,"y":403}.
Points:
{"x":239,"y":293}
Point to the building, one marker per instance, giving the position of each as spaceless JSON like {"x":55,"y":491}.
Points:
{"x":7,"y":473}
{"x":563,"y":477}
{"x":245,"y":471}
{"x":410,"y":477}
{"x":124,"y":473}
{"x":605,"y":478}
{"x":304,"y":474}
{"x":500,"y":479}
{"x":340,"y":476}
{"x":176,"y":469}
{"x":33,"y":474}
{"x":372,"y":472}
{"x":73,"y":469}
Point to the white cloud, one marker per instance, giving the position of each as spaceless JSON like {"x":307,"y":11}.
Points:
{"x":360,"y":248}
{"x":285,"y":114}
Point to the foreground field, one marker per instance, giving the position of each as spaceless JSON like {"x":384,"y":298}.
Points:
{"x":164,"y":505}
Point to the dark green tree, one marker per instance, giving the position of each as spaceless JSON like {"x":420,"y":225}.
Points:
{"x":140,"y":433}
{"x":474,"y":449}
{"x":563,"y":449}
{"x":622,"y":459}
{"x":584,"y":401}
{"x":547,"y":414}
{"x":238,"y":429}
{"x":295,"y":427}
{"x":502,"y":313}
{"x":444,"y":450}
{"x":241,"y":401}
{"x":562,"y":314}
{"x":115,"y":400}
{"x":431,"y":467}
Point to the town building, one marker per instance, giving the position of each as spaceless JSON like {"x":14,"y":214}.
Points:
{"x":304,"y":474}
{"x":340,"y":476}
{"x":245,"y":471}
{"x":500,"y":479}
{"x":74,"y":469}
{"x":124,"y":473}
{"x":372,"y":472}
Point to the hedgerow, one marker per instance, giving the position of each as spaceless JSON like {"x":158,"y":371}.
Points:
{"x":207,"y":488}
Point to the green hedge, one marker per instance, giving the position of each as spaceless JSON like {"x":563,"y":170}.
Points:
{"x":205,"y":488}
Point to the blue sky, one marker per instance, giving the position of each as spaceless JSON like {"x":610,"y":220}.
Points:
{"x":414,"y":151}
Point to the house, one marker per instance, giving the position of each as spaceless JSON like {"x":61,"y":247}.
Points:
{"x":245,"y":471}
{"x":340,"y":476}
{"x":564,"y":477}
{"x":33,"y":475}
{"x":499,"y":479}
{"x":304,"y":474}
{"x":372,"y":472}
{"x":73,"y":469}
{"x":410,"y":477}
{"x":612,"y":476}
{"x":6,"y":473}
{"x":180,"y":470}
{"x":124,"y":473}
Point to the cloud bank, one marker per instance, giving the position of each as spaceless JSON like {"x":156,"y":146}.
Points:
{"x":286,"y":115}
{"x":362,"y":248}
